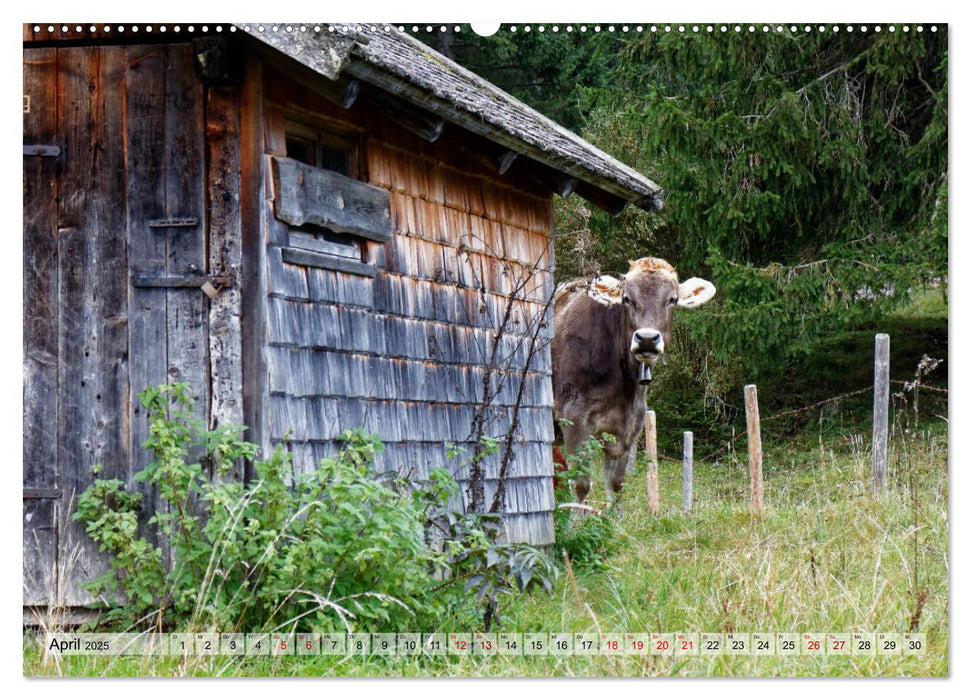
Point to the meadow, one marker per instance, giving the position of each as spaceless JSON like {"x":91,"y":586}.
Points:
{"x":825,"y":557}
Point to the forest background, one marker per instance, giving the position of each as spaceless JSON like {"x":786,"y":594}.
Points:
{"x":806,"y":175}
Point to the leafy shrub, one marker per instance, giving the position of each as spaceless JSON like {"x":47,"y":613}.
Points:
{"x":472,"y":547}
{"x":332,"y":549}
{"x":590,"y":538}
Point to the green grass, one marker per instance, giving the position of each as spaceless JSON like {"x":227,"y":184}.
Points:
{"x":929,"y":302}
{"x":826,"y":557}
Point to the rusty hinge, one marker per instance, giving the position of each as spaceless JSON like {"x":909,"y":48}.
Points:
{"x":31,"y":494}
{"x":211,"y":286}
{"x":43,"y":151}
{"x":175,"y":222}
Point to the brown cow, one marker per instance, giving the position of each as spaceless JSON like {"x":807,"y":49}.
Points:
{"x":607,"y":336}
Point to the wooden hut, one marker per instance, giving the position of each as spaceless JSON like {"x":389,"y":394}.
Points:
{"x":318,"y":228}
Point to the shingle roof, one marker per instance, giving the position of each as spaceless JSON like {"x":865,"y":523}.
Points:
{"x":394,"y":61}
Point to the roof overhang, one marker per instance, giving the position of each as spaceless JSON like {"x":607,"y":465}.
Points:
{"x":394,"y":62}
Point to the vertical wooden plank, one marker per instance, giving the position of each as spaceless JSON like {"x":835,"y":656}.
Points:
{"x":650,"y":438}
{"x":145,"y":153}
{"x":881,"y":402}
{"x":754,"y":448}
{"x":184,"y":182}
{"x":40,"y":274}
{"x":40,"y":552}
{"x":687,"y":472}
{"x":256,"y":387}
{"x":225,"y":254}
{"x":93,"y":390}
{"x":275,"y":132}
{"x":40,"y":468}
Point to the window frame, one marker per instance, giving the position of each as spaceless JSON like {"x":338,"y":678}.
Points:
{"x":313,"y":245}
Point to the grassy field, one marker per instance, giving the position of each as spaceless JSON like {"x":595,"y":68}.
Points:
{"x":826,"y":557}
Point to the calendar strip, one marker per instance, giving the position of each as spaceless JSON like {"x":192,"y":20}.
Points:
{"x":496,"y":644}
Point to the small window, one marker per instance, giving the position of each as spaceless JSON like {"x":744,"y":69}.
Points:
{"x":325,"y":149}
{"x":322,"y":149}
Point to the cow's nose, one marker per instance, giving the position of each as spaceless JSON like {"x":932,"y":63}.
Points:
{"x":647,"y":337}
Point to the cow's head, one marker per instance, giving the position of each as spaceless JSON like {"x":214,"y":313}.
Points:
{"x":649,"y":294}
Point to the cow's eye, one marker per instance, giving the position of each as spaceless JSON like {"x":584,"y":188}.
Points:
{"x":627,"y":301}
{"x":672,"y":301}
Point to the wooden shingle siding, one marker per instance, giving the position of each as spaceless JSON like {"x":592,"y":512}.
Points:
{"x":532,"y":527}
{"x":307,"y":372}
{"x":530,"y":461}
{"x":403,"y":353}
{"x":283,"y":279}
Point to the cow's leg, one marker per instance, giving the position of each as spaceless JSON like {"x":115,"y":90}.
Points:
{"x":573,"y":436}
{"x":582,"y":488}
{"x":615,"y":470}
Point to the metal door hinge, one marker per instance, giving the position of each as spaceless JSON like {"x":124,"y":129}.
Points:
{"x":43,"y":151}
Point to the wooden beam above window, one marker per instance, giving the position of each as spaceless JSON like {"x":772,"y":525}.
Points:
{"x":304,"y":195}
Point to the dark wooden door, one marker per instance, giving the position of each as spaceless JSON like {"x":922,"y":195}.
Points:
{"x":114,"y":229}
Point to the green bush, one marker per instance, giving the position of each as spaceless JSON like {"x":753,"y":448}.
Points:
{"x":587,"y":539}
{"x":337,"y":548}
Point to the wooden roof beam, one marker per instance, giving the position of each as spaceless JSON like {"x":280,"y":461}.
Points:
{"x":425,"y":124}
{"x":560,"y":184}
{"x":485,"y":153}
{"x":343,"y":92}
{"x":610,"y":203}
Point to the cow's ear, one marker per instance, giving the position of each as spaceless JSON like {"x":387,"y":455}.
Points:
{"x":695,"y":292}
{"x":606,"y":290}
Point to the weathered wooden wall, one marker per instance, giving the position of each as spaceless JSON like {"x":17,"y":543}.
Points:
{"x":401,"y":348}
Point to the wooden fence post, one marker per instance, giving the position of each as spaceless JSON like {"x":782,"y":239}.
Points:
{"x":650,"y":437}
{"x":688,"y":469}
{"x":881,"y":401}
{"x":754,"y":448}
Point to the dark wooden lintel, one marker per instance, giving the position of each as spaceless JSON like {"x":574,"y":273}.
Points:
{"x":547,"y":178}
{"x":610,"y":203}
{"x":505,"y":160}
{"x":564,"y":185}
{"x":482,"y":152}
{"x":341,"y":92}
